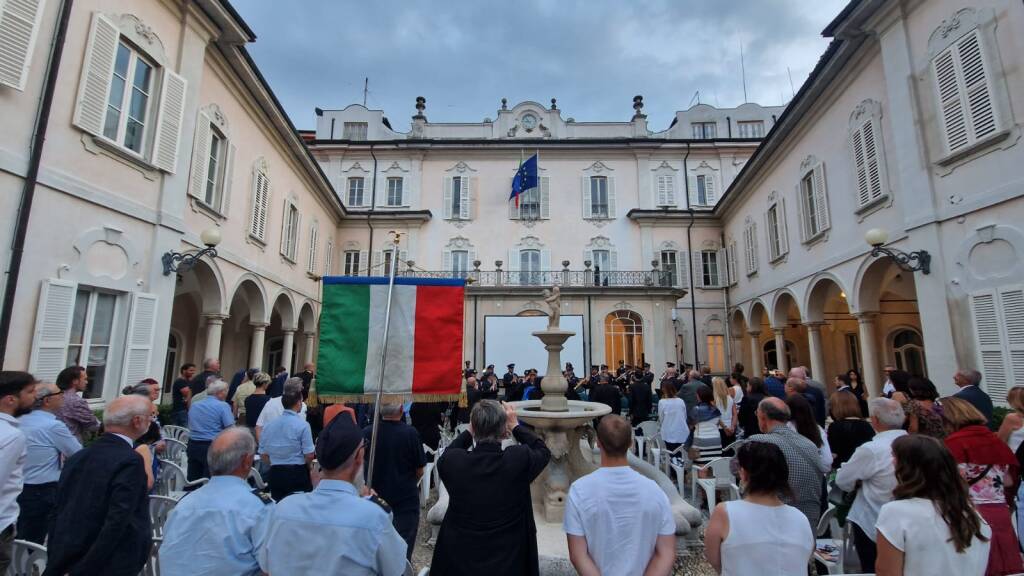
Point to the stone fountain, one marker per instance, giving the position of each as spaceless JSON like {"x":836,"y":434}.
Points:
{"x":566,"y":427}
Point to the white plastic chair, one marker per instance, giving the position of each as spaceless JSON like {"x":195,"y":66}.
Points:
{"x":27,"y":559}
{"x":179,"y":433}
{"x":428,"y":475}
{"x":175,"y":451}
{"x":159,"y":509}
{"x":679,"y":469}
{"x":152,"y":567}
{"x":650,"y":430}
{"x":255,"y":479}
{"x":838,"y":540}
{"x":173,"y":480}
{"x":721,"y":479}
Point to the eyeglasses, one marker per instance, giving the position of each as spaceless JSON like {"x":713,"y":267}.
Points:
{"x":47,"y":395}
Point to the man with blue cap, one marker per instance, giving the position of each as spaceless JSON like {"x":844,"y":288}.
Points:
{"x":341,"y":532}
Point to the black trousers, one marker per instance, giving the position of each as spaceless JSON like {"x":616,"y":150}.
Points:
{"x":288,"y":479}
{"x":867,"y":550}
{"x":407,"y":524}
{"x":36,"y":501}
{"x":197,"y":466}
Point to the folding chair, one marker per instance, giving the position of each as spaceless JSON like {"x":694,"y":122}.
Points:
{"x":428,"y":475}
{"x":828,"y":522}
{"x":721,"y":479}
{"x":27,"y":559}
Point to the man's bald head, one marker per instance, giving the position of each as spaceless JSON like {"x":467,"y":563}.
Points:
{"x":798,"y":372}
{"x":773,"y":410}
{"x":614,"y":435}
{"x":231,"y":452}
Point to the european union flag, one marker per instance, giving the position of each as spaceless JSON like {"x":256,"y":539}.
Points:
{"x":525,"y":178}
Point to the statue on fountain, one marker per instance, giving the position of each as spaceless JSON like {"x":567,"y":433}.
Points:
{"x":553,"y":298}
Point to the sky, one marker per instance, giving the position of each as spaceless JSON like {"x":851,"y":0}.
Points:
{"x":464,"y":56}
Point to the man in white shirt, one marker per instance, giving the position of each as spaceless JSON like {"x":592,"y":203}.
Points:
{"x":617,"y":521}
{"x":274,"y":409}
{"x":17,"y":394}
{"x":871,"y":465}
{"x":888,"y":388}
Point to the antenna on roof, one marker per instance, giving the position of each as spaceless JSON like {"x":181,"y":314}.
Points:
{"x":696,"y":97}
{"x":366,"y":89}
{"x":743,"y":72}
{"x":791,"y":90}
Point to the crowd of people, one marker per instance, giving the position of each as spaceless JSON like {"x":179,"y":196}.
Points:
{"x":926,"y":484}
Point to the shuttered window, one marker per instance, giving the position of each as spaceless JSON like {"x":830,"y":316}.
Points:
{"x":730,"y":256}
{"x":534,"y":204}
{"x":814,"y":214}
{"x":260,"y":205}
{"x":356,"y":185}
{"x":750,"y":247}
{"x":328,"y":258}
{"x":778,"y":240}
{"x":19,"y":24}
{"x":352,"y":261}
{"x":999,"y":334}
{"x":963,"y":86}
{"x":865,"y":141}
{"x":666,"y":189}
{"x":290,"y":231}
{"x":313,"y":241}
{"x":458,"y":197}
{"x":702,"y":190}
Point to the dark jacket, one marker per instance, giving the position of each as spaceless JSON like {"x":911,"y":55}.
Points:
{"x":276,"y":387}
{"x":979,"y":399}
{"x":607,"y":394}
{"x":427,"y":418}
{"x":817,"y":399}
{"x":101,"y":520}
{"x":482,"y":533}
{"x":640,"y":400}
{"x":198,"y":384}
{"x":748,"y":413}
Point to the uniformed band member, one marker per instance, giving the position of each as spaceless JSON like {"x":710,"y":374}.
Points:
{"x":509,"y":382}
{"x":332,"y":530}
{"x":287,"y":443}
{"x":219,"y":528}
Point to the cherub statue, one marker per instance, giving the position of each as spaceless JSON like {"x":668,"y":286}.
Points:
{"x":553,"y":298}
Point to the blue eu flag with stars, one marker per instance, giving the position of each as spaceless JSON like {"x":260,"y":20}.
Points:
{"x":525,"y":178}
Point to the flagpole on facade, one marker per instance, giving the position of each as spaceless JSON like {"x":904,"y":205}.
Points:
{"x":383,"y":358}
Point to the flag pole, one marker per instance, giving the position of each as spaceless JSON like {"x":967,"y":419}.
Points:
{"x":383,"y":359}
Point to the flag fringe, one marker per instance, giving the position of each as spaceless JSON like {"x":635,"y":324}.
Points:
{"x":371,"y":398}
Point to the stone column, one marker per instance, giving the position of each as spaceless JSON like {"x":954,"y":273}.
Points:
{"x":755,"y":353}
{"x":780,"y":349}
{"x":308,"y":352}
{"x":736,"y":352}
{"x":259,"y":332}
{"x":214,"y":323}
{"x":286,"y":352}
{"x":869,"y":352}
{"x":817,"y":358}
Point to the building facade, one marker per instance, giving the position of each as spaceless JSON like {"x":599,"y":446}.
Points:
{"x":161,"y":133}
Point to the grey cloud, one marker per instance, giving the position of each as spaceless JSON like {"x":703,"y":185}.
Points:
{"x":594,"y":55}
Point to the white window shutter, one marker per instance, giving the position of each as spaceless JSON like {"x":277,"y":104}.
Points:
{"x":545,"y":198}
{"x":683,"y":269}
{"x":229,"y":169}
{"x":670,"y":195}
{"x":783,"y":229}
{"x":873,"y":169}
{"x":168,"y":127}
{"x":545,"y":260}
{"x":1012,"y":300}
{"x":709,"y":188}
{"x":285,"y":229}
{"x":821,"y":198}
{"x":446,"y":200}
{"x":613,"y":260}
{"x":978,"y":93}
{"x":94,"y":86}
{"x":513,"y":260}
{"x":328,"y":257}
{"x":611,"y":196}
{"x":588,"y":211}
{"x":261,"y":204}
{"x":731,"y":264}
{"x":447,"y":260}
{"x":860,"y":167}
{"x":465,"y":210}
{"x":472,"y":258}
{"x":378,"y":263}
{"x":200,"y":157}
{"x":661,"y":191}
{"x":723,"y":268}
{"x":364,"y":262}
{"x":698,"y":269}
{"x":991,"y":355}
{"x":19,"y":24}
{"x":693,"y":192}
{"x":141,"y":327}
{"x":52,"y":329}
{"x":951,"y":105}
{"x":588,"y":256}
{"x":403,"y":257}
{"x":803,"y":211}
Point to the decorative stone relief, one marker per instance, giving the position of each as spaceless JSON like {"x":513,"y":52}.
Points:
{"x":810,"y":162}
{"x":598,"y":167}
{"x":622,"y":305}
{"x":599,"y":242}
{"x":105,"y":258}
{"x":459,"y":243}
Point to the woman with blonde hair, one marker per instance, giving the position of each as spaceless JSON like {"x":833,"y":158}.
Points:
{"x":991,"y":472}
{"x":726,"y":404}
{"x":1012,"y":429}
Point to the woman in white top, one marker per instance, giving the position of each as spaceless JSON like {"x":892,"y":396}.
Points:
{"x":675,"y":430}
{"x":930,"y":527}
{"x":1012,"y":429}
{"x":802,"y":421}
{"x":736,"y":383}
{"x":736,"y":541}
{"x":726,"y":404}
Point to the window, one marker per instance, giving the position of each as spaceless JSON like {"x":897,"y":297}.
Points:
{"x":810,"y":209}
{"x":716,"y":352}
{"x":529,"y":266}
{"x":774,"y":235}
{"x":456,"y":196}
{"x":356,"y":185}
{"x":290,"y":231}
{"x":704,"y":130}
{"x":128,"y":102}
{"x":92,"y":328}
{"x":394,"y":191}
{"x":599,"y":197}
{"x":751,"y":129}
{"x":529,"y":204}
{"x":999,"y":337}
{"x":212,"y":196}
{"x":602,"y":260}
{"x":866,"y":144}
{"x":669,"y":268}
{"x":709,"y":268}
{"x":962,"y":83}
{"x":853,"y":350}
{"x":623,"y":338}
{"x":389,"y":258}
{"x":328,"y":258}
{"x":750,"y":244}
{"x":666,"y":184}
{"x":813,"y":200}
{"x":775,"y":220}
{"x":352,"y":263}
{"x":460,"y":263}
{"x":908,"y":350}
{"x":730,"y":256}
{"x":313,"y":241}
{"x":260,"y":204}
{"x":702,"y":192}
{"x":354,"y":131}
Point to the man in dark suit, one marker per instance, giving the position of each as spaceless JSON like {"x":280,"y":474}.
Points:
{"x":508,"y":382}
{"x":969,"y":382}
{"x":211,"y":367}
{"x":101,"y":521}
{"x":481,"y":534}
{"x":607,"y":393}
{"x":276,"y":387}
{"x":641,"y":397}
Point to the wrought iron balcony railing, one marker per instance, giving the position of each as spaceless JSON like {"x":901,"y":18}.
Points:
{"x":562,"y":278}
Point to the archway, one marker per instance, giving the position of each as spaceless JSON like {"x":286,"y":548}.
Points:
{"x":197,"y":314}
{"x":308,"y":331}
{"x":906,"y":347}
{"x":247,"y":322}
{"x":738,"y":336}
{"x":789,"y":333}
{"x":886,"y":299}
{"x":280,"y":349}
{"x":830,"y":322}
{"x":623,"y":338}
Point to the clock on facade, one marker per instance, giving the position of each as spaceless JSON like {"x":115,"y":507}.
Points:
{"x":529,"y":122}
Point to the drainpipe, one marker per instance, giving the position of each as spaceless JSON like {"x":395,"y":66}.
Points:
{"x":31,"y":177}
{"x":689,"y":254}
{"x":590,"y":336}
{"x":725,"y":303}
{"x":373,"y":205}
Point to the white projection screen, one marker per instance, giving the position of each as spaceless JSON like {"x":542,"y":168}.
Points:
{"x":508,"y":339}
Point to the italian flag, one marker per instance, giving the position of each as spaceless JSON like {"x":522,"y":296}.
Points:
{"x":424,"y":348}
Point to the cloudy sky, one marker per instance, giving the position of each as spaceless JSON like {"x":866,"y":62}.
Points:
{"x":463,"y":56}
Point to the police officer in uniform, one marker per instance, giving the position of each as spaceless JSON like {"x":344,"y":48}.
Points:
{"x":510,"y":382}
{"x":227,"y":508}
